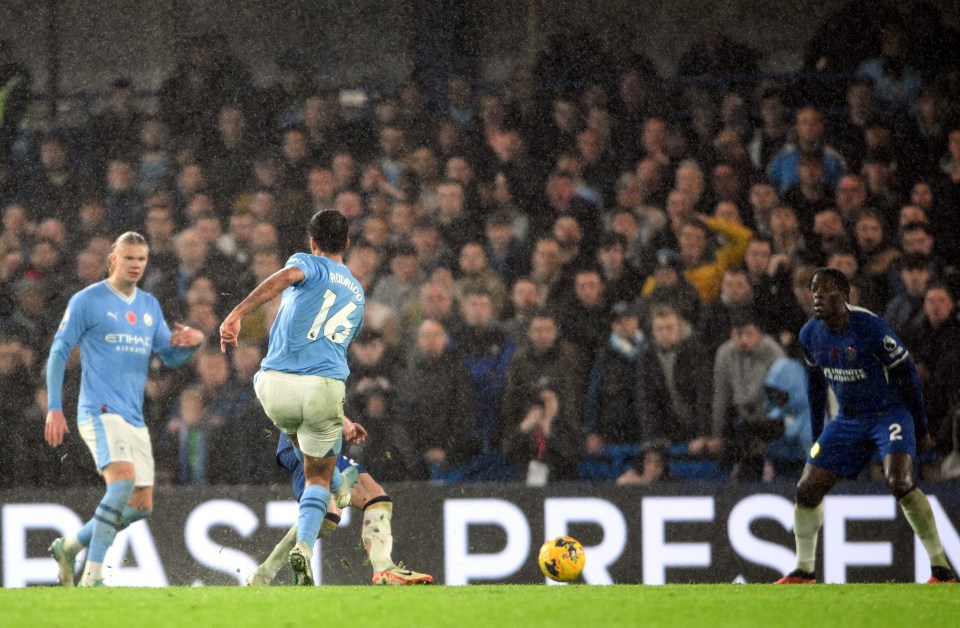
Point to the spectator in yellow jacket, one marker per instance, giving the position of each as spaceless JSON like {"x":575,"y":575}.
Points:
{"x":704,"y":266}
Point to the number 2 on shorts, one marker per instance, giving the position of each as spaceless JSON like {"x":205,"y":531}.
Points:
{"x":895,"y":432}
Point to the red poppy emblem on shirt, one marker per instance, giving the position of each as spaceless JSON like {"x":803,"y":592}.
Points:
{"x":131,"y":317}
{"x":834,"y":353}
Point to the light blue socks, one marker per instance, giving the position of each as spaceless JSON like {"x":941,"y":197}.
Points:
{"x":313,"y":506}
{"x":108,"y":518}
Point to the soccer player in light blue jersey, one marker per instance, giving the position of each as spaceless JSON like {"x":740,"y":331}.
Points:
{"x":117,"y":327}
{"x":881,"y":410}
{"x":301,"y":380}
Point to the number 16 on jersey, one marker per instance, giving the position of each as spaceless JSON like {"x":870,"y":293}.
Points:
{"x":337,"y":328}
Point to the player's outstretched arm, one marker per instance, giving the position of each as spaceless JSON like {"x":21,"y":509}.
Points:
{"x":266,"y":291}
{"x":185,"y":337}
{"x":180,"y":345}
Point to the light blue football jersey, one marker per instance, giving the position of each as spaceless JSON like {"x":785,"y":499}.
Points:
{"x":318,"y":318}
{"x":117,"y":335}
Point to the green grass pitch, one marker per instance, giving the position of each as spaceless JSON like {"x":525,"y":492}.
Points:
{"x":488,"y":605}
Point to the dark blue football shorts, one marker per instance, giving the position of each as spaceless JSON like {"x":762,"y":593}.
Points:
{"x":847,"y":445}
{"x":294,"y":468}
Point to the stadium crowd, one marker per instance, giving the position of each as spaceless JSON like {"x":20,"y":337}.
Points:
{"x":587,"y":273}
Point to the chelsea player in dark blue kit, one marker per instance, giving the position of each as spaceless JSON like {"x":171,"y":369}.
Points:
{"x":880,"y":408}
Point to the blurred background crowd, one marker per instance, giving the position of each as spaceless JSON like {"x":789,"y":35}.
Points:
{"x":585,"y":273}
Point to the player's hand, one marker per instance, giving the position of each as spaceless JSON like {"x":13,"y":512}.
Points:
{"x":359,"y":434}
{"x":229,"y":333}
{"x":185,"y":336}
{"x":353,"y":432}
{"x":925,"y":443}
{"x":55,"y":428}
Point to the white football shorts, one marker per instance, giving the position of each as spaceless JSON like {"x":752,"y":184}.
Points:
{"x":309,"y":406}
{"x":111,"y":439}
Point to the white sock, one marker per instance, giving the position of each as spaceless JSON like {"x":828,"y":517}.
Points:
{"x":72,"y":545}
{"x":91,"y":573}
{"x":377,"y":535}
{"x":916,"y":508}
{"x":278,"y":557}
{"x":806,"y":528}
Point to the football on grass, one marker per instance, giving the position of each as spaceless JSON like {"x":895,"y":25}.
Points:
{"x":562,"y":559}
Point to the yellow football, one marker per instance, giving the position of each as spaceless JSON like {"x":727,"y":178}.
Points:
{"x":562,"y":559}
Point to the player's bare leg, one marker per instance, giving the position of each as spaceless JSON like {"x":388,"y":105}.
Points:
{"x":898,"y":470}
{"x":814,"y":484}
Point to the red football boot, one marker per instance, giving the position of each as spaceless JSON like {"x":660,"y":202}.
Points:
{"x":798,"y":576}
